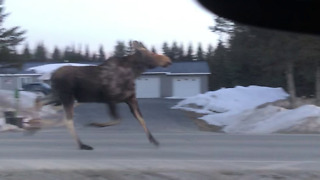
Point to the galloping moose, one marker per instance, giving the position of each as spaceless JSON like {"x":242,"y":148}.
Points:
{"x":111,"y":82}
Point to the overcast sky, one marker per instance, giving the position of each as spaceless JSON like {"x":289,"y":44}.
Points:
{"x":94,"y":22}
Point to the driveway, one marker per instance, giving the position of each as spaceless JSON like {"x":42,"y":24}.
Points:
{"x":157,"y":113}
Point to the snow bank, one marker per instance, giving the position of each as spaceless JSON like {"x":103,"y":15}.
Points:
{"x":235,"y":109}
{"x":228,"y":101}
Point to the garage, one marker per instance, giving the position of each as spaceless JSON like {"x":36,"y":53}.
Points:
{"x":148,"y":87}
{"x":186,"y":86}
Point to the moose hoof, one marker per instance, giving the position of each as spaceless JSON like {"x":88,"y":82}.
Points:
{"x":111,"y":123}
{"x":153,"y":140}
{"x":85,"y":147}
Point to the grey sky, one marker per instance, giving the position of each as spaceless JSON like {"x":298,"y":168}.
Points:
{"x":94,"y":22}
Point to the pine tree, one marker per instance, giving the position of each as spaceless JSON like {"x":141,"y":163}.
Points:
{"x":165,"y":49}
{"x":181,"y":53}
{"x":224,"y":28}
{"x":67,"y":54}
{"x":174,"y":54}
{"x":87,"y":53}
{"x":221,"y":75}
{"x":26,"y":55}
{"x":189,"y":56}
{"x":94,"y":57}
{"x":200,"y":54}
{"x":120,"y":49}
{"x":40,"y":53}
{"x":9,"y":38}
{"x":56,"y":55}
{"x":102,"y":56}
{"x":210,"y":52}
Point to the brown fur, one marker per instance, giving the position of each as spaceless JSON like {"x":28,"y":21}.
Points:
{"x":110,"y":83}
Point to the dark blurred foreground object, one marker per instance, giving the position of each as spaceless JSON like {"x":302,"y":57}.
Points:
{"x":11,"y":118}
{"x":289,"y":15}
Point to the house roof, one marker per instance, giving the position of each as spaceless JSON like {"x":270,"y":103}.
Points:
{"x":185,"y":67}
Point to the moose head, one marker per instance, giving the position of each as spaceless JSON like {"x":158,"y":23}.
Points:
{"x":151,"y":59}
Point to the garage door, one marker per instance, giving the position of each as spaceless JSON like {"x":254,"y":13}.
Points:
{"x":148,"y":87}
{"x":186,"y":86}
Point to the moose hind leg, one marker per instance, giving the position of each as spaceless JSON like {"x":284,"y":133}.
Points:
{"x":70,"y":125}
{"x":133,"y":104}
{"x":114,"y":114}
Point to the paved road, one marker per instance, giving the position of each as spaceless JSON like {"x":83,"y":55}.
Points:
{"x":123,"y":152}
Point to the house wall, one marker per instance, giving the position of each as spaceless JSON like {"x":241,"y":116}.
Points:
{"x":204,"y":83}
{"x":168,"y":82}
{"x":8,"y":82}
{"x":166,"y":86}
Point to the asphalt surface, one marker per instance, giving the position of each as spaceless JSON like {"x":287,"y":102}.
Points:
{"x":185,"y":152}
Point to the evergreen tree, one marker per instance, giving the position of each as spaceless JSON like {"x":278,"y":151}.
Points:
{"x":94,"y":57}
{"x":181,"y":53}
{"x":102,"y":56}
{"x":189,"y":56}
{"x":224,"y":28}
{"x":9,"y":38}
{"x":120,"y":49}
{"x":67,"y":54}
{"x":87,"y":53}
{"x":26,"y":55}
{"x":40,"y":53}
{"x":175,"y":53}
{"x":210,"y":52}
{"x":220,"y":76}
{"x":56,"y":55}
{"x":165,"y":49}
{"x":70,"y":55}
{"x":200,"y":54}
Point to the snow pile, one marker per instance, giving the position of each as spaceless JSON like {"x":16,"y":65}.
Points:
{"x":25,"y":106}
{"x":48,"y":69}
{"x":235,"y":109}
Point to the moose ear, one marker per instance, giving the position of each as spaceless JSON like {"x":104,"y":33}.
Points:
{"x":138,"y":45}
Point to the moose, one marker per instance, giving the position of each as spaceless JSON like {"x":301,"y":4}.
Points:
{"x":111,"y":82}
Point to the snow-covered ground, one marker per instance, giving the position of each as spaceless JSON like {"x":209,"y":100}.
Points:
{"x":24,"y":107}
{"x":236,"y":111}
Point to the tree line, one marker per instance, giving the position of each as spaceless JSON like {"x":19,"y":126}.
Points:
{"x":71,"y":54}
{"x":255,"y":56}
{"x":174,"y":51}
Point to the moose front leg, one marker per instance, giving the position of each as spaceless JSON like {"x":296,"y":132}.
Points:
{"x":68,"y":108}
{"x":114,"y":114}
{"x":133,"y":104}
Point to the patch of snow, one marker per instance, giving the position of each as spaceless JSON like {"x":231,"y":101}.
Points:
{"x":235,"y":109}
{"x":231,"y":100}
{"x":285,"y":119}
